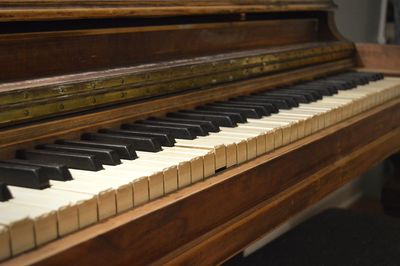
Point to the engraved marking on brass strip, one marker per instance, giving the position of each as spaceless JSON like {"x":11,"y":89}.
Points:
{"x":44,"y":108}
{"x":162,"y":75}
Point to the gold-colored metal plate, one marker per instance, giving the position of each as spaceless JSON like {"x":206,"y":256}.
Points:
{"x":21,"y":106}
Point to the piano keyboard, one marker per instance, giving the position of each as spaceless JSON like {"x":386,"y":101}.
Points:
{"x":56,"y":189}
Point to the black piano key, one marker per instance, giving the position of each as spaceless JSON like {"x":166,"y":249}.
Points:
{"x":209,"y":126}
{"x":272,"y":109}
{"x":353,"y":82}
{"x":105,"y":156}
{"x":340,"y":85}
{"x":125,"y":151}
{"x":246,"y":112}
{"x":70,"y":159}
{"x":278,"y":103}
{"x":323,"y":89}
{"x":300,"y":98}
{"x":260,"y":110}
{"x":372,"y":76}
{"x":23,"y":176}
{"x":311,"y":94}
{"x":290,"y":100}
{"x":235,"y":117}
{"x":163,"y":138}
{"x":176,"y":132}
{"x":219,"y":120}
{"x":361,"y":80}
{"x":197,"y":129}
{"x":5,"y":193}
{"x":364,"y":75}
{"x":139,"y":143}
{"x":52,"y":171}
{"x":323,"y":84}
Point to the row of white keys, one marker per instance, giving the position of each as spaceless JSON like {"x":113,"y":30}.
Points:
{"x":290,"y":125}
{"x":74,"y":210}
{"x":106,"y":201}
{"x":205,"y":155}
{"x":51,"y":214}
{"x":28,"y":226}
{"x":177,"y":167}
{"x":135,"y":185}
{"x":219,"y":149}
{"x":188,"y":167}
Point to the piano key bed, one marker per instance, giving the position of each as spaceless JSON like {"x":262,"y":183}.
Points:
{"x":59,"y":188}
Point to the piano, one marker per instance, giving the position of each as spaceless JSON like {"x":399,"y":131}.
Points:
{"x":179,"y":132}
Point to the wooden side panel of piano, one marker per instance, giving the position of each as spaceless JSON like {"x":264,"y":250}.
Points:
{"x":212,"y":220}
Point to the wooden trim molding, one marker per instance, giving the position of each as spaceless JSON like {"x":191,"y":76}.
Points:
{"x":29,"y":10}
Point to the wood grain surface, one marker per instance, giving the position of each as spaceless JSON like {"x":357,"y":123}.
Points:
{"x":28,"y":10}
{"x":379,"y":58}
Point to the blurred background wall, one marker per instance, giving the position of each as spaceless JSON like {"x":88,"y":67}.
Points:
{"x":358,"y":20}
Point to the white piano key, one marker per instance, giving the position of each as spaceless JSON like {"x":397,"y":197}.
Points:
{"x":20,"y":228}
{"x":67,"y":213}
{"x":219,"y":149}
{"x":187,"y":165}
{"x":147,"y":183}
{"x":182,"y":164}
{"x":170,"y":172}
{"x":122,"y":186}
{"x":207,"y":156}
{"x":259,"y":137}
{"x":85,"y":203}
{"x":232,"y":147}
{"x":289,"y":122}
{"x":29,"y":226}
{"x":284,"y":127}
{"x":106,"y":200}
{"x":273,"y":134}
{"x":136,"y":182}
{"x":243,"y":141}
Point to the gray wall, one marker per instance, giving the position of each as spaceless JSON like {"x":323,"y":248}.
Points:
{"x":358,"y":20}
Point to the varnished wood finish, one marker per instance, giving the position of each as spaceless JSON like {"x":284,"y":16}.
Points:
{"x":73,"y":126}
{"x":382,"y":58}
{"x":244,"y":229}
{"x":31,"y":55}
{"x":207,"y":222}
{"x":29,"y":10}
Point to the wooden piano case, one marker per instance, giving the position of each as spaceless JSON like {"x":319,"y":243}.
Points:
{"x":260,"y":44}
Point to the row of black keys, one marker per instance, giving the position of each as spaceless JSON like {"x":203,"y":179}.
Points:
{"x":34,"y":168}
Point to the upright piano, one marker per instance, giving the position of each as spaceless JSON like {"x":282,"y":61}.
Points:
{"x":178,"y":132}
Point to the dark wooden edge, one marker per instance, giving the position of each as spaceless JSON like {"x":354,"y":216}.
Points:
{"x":158,"y":229}
{"x":67,"y":10}
{"x":73,"y":126}
{"x":113,"y":46}
{"x":379,"y":58}
{"x":232,"y":237}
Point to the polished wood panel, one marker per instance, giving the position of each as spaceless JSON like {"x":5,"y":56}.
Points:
{"x":236,"y":206}
{"x":379,"y":58}
{"x":28,"y":10}
{"x":32,"y":55}
{"x":264,"y":217}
